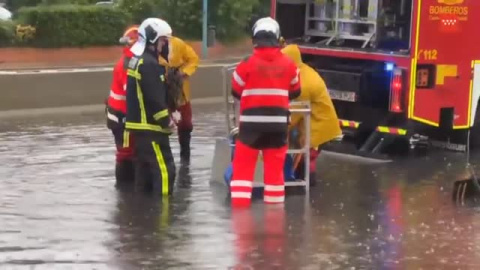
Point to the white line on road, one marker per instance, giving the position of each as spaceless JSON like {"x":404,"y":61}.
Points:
{"x":84,"y":70}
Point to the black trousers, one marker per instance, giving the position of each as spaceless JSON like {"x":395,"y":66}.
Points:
{"x":154,"y":163}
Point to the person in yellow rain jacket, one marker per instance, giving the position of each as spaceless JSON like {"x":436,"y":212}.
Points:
{"x":324,"y":124}
{"x":182,"y":61}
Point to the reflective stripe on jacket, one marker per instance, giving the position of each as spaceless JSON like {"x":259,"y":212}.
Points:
{"x":117,"y":99}
{"x":264,"y":83}
{"x":146,"y":95}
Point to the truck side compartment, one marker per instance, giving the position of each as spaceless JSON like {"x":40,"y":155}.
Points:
{"x":367,"y":25}
{"x":370,"y":95}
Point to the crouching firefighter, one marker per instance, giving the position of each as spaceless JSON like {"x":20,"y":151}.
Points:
{"x":324,"y":125}
{"x":264,"y":83}
{"x":147,"y":111}
{"x":117,"y":109}
{"x":181,"y":62}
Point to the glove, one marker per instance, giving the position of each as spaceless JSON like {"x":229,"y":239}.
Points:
{"x":172,"y":125}
{"x":176,"y":116}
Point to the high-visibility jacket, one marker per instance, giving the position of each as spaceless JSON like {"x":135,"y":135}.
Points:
{"x":181,"y":56}
{"x":117,"y":100}
{"x":323,"y":121}
{"x":147,"y":108}
{"x":264,"y":83}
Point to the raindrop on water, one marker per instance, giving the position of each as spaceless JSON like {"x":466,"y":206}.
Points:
{"x":391,"y":238}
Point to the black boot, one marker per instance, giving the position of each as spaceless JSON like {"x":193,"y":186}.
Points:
{"x":124,"y":174}
{"x":184,"y":140}
{"x":184,"y":178}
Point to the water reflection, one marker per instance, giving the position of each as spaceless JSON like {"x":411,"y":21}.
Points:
{"x":260,"y":237}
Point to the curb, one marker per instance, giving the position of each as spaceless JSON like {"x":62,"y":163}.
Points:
{"x":93,"y":69}
{"x":81,"y":109}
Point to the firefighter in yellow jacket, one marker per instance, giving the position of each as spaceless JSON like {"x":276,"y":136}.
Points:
{"x":181,"y":61}
{"x":324,"y":124}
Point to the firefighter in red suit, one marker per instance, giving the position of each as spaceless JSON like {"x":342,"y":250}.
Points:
{"x":265,"y":82}
{"x":117,"y":109}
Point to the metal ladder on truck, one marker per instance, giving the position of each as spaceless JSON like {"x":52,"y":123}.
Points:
{"x":232,"y":116}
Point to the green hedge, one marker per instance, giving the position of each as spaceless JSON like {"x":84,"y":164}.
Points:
{"x":230,"y":17}
{"x":89,"y":25}
{"x":74,"y":25}
{"x":16,"y":4}
{"x":139,"y":9}
{"x":7,"y":33}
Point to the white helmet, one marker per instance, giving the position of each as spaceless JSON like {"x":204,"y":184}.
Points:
{"x":149,"y":32}
{"x":267,"y":24}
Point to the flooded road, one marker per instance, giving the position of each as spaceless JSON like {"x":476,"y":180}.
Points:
{"x":59,"y":210}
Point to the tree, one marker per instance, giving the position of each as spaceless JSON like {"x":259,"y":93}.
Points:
{"x":185,"y":16}
{"x":230,"y":17}
{"x":16,"y":4}
{"x":139,"y":9}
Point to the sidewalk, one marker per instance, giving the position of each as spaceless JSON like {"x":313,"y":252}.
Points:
{"x":34,"y":58}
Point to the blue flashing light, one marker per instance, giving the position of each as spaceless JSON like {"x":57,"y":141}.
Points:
{"x":389,"y":66}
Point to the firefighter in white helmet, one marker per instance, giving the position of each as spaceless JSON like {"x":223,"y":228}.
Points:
{"x":147,"y":109}
{"x":264,"y":83}
{"x":116,"y":110}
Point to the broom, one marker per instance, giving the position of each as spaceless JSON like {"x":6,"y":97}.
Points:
{"x":467,"y":190}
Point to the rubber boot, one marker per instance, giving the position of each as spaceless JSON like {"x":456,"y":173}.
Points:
{"x":124,"y":174}
{"x":184,"y":138}
{"x":184,"y":177}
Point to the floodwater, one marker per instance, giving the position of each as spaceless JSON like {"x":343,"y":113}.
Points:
{"x":59,"y":210}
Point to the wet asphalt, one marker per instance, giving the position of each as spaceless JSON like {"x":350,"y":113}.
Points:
{"x":59,"y":209}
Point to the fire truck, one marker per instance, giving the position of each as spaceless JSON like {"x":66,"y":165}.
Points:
{"x":401,"y":73}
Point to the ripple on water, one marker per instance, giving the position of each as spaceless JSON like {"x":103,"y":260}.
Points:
{"x":58,"y":209}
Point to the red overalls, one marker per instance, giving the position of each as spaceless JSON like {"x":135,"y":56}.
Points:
{"x":264,"y":83}
{"x":117,"y":108}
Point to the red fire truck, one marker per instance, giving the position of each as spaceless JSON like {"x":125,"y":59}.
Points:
{"x":400,"y":72}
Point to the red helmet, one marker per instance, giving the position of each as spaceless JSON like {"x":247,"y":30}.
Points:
{"x":130,"y":36}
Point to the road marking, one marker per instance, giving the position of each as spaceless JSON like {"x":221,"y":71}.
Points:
{"x":86,"y":70}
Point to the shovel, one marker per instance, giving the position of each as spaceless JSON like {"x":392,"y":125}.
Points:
{"x":467,"y":190}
